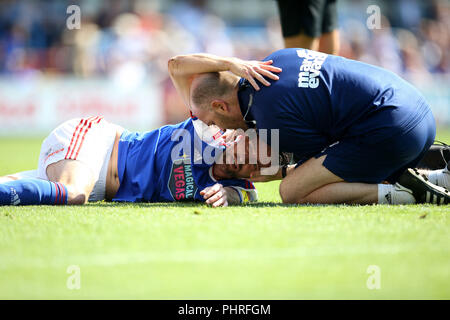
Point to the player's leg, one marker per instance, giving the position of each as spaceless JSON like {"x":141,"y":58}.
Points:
{"x":32,"y":192}
{"x":69,"y":182}
{"x":436,"y":157}
{"x":82,"y":165}
{"x":25,"y":188}
{"x":361,"y":193}
{"x":311,"y":182}
{"x":72,"y":164}
{"x":8,"y":178}
{"x":344,"y":193}
{"x":423,"y":190}
{"x":77,"y":177}
{"x":301,"y":23}
{"x":439,"y":177}
{"x":35,"y":187}
{"x":329,"y":40}
{"x":19,"y":175}
{"x":305,"y":179}
{"x":369,"y":159}
{"x":66,"y":182}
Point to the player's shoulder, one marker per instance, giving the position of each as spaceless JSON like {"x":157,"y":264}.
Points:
{"x":161,"y":131}
{"x":289,"y":53}
{"x":280,"y":53}
{"x":186,"y":124}
{"x":288,"y":56}
{"x":177,"y":129}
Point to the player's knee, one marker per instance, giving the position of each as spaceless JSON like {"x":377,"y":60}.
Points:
{"x":76,"y":196}
{"x":289,"y":194}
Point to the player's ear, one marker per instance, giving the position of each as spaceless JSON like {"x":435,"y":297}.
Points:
{"x":220,"y":106}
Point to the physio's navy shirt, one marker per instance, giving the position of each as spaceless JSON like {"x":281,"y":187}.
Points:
{"x":320,"y":98}
{"x":148,"y":172}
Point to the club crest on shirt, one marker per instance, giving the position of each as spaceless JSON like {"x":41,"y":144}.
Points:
{"x":181,"y":181}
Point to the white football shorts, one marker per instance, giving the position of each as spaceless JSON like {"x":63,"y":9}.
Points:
{"x":88,"y":140}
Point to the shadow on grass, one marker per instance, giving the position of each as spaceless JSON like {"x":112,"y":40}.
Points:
{"x":104,"y":204}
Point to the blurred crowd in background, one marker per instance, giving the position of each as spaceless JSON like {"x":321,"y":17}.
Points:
{"x":133,"y":40}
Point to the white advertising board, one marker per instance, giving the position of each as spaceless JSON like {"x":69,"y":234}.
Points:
{"x":39,"y":105}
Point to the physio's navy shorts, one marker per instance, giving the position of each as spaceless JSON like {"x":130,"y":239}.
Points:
{"x":385,"y":153}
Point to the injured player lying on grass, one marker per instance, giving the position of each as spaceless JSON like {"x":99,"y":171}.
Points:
{"x":91,"y":160}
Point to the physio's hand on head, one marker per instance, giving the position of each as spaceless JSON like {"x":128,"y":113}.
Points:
{"x":252,"y":70}
{"x":215,"y":195}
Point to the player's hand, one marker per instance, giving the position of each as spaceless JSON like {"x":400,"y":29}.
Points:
{"x":254,"y":70}
{"x":216,"y":196}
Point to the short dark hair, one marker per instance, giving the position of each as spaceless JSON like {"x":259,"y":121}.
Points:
{"x":211,"y":86}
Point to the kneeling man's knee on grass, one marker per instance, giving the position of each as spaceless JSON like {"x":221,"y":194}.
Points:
{"x":289,"y":194}
{"x":305,"y":179}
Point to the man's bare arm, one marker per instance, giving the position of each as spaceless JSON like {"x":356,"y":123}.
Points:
{"x":184,"y":68}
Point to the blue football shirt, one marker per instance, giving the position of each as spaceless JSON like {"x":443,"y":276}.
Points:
{"x":163,"y":165}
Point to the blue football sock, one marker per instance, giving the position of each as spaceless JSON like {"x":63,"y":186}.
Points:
{"x":32,"y":191}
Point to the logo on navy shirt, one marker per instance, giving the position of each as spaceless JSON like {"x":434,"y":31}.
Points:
{"x":181,"y":182}
{"x":308,"y":76}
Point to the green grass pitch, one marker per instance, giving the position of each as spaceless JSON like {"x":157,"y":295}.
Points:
{"x":187,"y":251}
